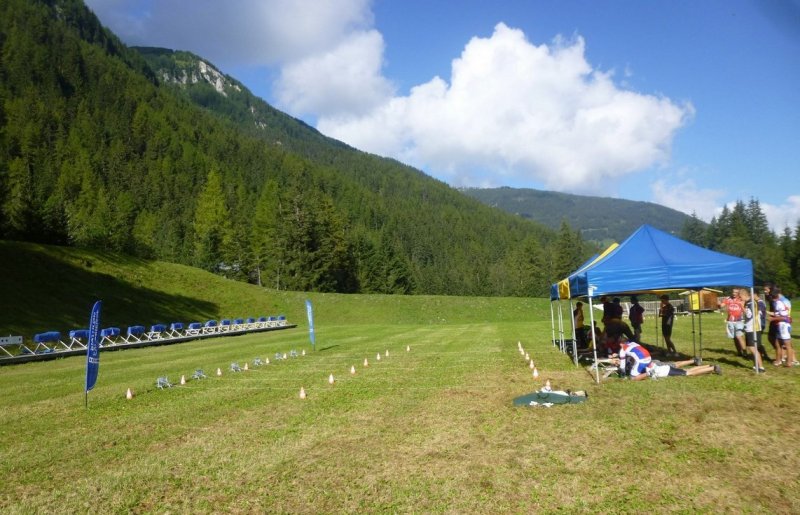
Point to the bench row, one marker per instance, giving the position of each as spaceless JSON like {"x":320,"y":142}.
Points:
{"x":51,"y":341}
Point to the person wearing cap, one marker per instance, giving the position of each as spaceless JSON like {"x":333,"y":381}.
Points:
{"x":667,"y":314}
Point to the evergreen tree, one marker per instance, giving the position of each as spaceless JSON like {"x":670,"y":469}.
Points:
{"x":212,"y":231}
{"x":694,"y":231}
{"x":569,"y":252}
{"x":756,"y":222}
{"x":263,"y":236}
{"x":528,"y":269}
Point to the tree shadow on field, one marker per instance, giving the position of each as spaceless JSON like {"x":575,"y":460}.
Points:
{"x":51,"y":294}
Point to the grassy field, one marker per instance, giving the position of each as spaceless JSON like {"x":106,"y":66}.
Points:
{"x":428,"y":430}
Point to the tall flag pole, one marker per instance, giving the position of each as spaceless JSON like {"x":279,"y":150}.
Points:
{"x":311,"y":324}
{"x":93,"y":350}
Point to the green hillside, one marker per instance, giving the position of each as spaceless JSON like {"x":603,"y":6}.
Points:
{"x":55,"y":287}
{"x":601,"y":219}
{"x":98,"y":150}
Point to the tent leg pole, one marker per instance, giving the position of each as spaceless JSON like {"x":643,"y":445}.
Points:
{"x":700,"y":329}
{"x":561,"y":324}
{"x":694,"y":342}
{"x":552,"y":323}
{"x":594,"y":339}
{"x":658,"y":341}
{"x":574,"y":335}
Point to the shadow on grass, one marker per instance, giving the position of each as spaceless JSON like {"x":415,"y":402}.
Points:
{"x":730,"y":358}
{"x":45,"y":293}
{"x":328,"y":347}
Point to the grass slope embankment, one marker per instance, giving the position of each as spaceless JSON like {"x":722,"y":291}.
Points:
{"x":53,"y":288}
{"x":429,"y":430}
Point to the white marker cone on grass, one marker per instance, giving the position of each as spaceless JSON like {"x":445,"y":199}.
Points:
{"x":284,"y":355}
{"x":183,"y":380}
{"x":246,"y":367}
{"x":353,"y":370}
{"x":266,"y":361}
{"x":366,"y":363}
{"x":378,"y":357}
{"x":129,"y":394}
{"x":219,"y":372}
{"x":387,"y":353}
{"x":547,"y":386}
{"x":535,"y":373}
{"x":532,"y":365}
{"x":527,"y":357}
{"x":304,"y":352}
{"x":302,"y":393}
{"x":408,"y":348}
{"x":330,"y":379}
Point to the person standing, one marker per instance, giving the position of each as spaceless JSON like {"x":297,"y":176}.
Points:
{"x":783,"y":316}
{"x":636,"y":316}
{"x":749,"y":321}
{"x":734,"y":323}
{"x":760,"y":325}
{"x":607,"y":310}
{"x":667,"y":314}
{"x":772,"y":330}
{"x":580,"y":332}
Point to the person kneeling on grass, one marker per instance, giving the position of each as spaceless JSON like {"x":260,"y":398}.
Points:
{"x":633,"y":359}
{"x":657,"y":369}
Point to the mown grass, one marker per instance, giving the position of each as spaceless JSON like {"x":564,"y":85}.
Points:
{"x":430,"y":430}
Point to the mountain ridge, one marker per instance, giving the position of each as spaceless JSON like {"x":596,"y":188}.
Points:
{"x":184,"y":70}
{"x":591,"y":215}
{"x":98,"y":149}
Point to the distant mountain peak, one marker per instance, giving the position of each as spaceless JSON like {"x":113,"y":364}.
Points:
{"x":184,"y":68}
{"x":599,"y":219}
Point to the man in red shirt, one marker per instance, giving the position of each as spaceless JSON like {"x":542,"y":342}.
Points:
{"x":734,"y":307}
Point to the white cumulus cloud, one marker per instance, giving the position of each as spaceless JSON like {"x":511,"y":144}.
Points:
{"x":345,"y":80}
{"x":783,"y":215}
{"x":684,"y":195}
{"x":520,"y":111}
{"x":236,"y":32}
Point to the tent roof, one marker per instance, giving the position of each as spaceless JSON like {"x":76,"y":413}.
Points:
{"x":651,"y":259}
{"x":560,"y":290}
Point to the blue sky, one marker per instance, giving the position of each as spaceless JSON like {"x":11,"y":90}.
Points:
{"x":693,"y":105}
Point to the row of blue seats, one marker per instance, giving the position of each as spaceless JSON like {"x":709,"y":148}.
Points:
{"x":51,"y":341}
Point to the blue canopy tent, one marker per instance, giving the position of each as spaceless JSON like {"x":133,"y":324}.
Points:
{"x":652,"y":260}
{"x":560,"y":291}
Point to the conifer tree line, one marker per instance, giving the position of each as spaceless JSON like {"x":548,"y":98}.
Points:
{"x":744,"y":231}
{"x":95,"y":153}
